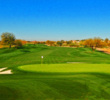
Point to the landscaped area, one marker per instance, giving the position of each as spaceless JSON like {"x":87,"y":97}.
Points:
{"x":54,"y":50}
{"x":63,"y":74}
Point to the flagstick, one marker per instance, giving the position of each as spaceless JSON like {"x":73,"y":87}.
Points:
{"x":42,"y":60}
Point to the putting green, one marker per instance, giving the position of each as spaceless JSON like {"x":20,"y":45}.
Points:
{"x":67,"y":68}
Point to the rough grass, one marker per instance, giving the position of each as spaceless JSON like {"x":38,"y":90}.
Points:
{"x":27,"y":85}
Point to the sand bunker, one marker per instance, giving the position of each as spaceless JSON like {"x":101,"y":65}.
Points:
{"x":4,"y":71}
{"x":1,"y":69}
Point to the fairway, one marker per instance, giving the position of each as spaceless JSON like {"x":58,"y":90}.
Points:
{"x":86,"y":77}
{"x":67,"y":68}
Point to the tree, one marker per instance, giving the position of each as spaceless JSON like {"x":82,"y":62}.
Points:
{"x":106,"y":40}
{"x":47,"y":42}
{"x":98,"y":43}
{"x":50,"y":43}
{"x":59,"y":43}
{"x":18,"y":43}
{"x":94,"y":43}
{"x":62,"y":41}
{"x":89,"y":43}
{"x":8,"y":39}
{"x":68,"y":42}
{"x":24,"y":42}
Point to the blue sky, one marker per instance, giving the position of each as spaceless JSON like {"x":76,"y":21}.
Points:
{"x":55,"y":19}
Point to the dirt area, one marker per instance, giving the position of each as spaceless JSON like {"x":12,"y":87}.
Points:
{"x":105,"y":50}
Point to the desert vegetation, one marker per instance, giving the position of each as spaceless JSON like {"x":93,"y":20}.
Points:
{"x":93,"y":43}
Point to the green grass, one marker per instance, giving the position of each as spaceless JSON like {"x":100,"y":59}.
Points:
{"x":67,"y":68}
{"x":55,"y":79}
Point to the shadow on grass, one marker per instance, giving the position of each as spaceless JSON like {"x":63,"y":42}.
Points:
{"x":7,"y":93}
{"x":5,"y":50}
{"x":79,"y":86}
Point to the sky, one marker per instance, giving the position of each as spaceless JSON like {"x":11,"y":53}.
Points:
{"x":55,"y":19}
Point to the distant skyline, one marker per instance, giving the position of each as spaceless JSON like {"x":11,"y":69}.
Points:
{"x":55,"y":19}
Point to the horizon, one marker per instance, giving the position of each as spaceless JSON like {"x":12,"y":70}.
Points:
{"x":56,"y":40}
{"x":43,"y":20}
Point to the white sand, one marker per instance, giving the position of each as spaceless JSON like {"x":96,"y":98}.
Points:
{"x":2,"y":69}
{"x":5,"y":72}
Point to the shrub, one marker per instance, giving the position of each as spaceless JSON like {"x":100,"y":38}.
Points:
{"x":18,"y":44}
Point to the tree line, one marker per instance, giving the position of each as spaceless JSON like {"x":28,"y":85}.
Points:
{"x":93,"y":43}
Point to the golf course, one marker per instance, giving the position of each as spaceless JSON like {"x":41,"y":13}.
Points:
{"x":64,"y":73}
